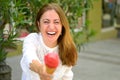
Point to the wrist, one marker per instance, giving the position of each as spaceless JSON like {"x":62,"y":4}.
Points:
{"x":40,"y":69}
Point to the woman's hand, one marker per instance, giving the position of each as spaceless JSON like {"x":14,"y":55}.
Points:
{"x":36,"y":66}
{"x":40,"y":69}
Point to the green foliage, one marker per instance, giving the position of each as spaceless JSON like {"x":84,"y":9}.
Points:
{"x":6,"y":43}
{"x":4,"y":10}
{"x":22,"y":13}
{"x":73,"y":10}
{"x":83,"y":35}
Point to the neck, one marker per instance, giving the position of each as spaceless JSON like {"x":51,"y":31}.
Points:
{"x":50,"y":44}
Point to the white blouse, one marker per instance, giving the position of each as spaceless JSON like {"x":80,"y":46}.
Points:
{"x":34,"y":48}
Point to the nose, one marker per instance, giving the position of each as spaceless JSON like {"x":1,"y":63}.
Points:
{"x":51,"y":25}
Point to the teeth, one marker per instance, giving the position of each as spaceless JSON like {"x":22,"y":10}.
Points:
{"x":51,"y":33}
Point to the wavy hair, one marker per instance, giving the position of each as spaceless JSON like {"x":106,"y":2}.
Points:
{"x":67,"y":49}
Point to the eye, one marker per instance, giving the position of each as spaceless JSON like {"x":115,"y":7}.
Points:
{"x":56,"y":22}
{"x":46,"y":22}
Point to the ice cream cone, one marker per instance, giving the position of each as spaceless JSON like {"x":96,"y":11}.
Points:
{"x":51,"y":62}
{"x":50,"y":70}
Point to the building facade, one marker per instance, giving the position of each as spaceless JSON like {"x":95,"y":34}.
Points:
{"x":104,"y":18}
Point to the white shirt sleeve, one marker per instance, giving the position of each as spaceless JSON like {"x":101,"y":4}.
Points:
{"x":68,"y":75}
{"x":29,"y":53}
{"x":30,"y":46}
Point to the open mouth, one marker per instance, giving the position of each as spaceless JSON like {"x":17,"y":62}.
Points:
{"x":51,"y":33}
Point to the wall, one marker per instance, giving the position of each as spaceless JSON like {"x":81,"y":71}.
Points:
{"x":95,"y":18}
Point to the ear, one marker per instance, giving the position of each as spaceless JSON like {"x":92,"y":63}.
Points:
{"x":38,"y":23}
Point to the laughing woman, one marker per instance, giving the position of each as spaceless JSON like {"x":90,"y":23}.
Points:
{"x":53,"y":36}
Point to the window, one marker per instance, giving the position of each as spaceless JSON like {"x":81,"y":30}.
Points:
{"x":110,"y":12}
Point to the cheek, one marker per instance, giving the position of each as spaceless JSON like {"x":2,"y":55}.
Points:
{"x":60,"y":29}
{"x":41,"y":28}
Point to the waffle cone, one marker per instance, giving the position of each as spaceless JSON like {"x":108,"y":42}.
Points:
{"x":50,"y":70}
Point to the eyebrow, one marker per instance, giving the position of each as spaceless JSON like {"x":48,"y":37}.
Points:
{"x":48,"y":19}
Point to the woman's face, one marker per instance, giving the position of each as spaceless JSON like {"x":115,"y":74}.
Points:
{"x":50,"y":27}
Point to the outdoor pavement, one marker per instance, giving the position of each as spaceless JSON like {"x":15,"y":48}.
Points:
{"x":98,"y":60}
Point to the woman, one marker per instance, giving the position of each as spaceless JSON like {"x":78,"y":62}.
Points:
{"x":53,"y":36}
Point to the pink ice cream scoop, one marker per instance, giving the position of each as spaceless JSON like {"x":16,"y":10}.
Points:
{"x":51,"y":62}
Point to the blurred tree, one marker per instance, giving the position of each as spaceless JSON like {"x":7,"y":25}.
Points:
{"x":22,"y":13}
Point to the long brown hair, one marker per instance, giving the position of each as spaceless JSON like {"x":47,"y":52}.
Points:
{"x":67,"y":49}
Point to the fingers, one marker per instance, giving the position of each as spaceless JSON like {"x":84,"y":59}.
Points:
{"x":39,"y":68}
{"x":46,"y":76}
{"x":36,"y":66}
